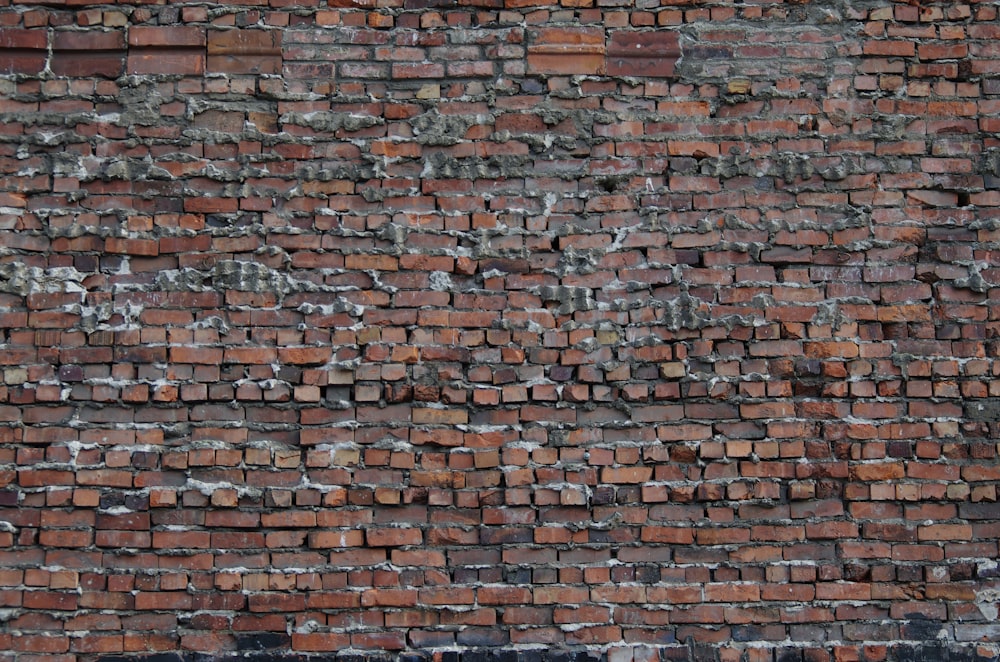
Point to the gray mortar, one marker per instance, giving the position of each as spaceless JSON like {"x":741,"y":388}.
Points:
{"x":330,"y":121}
{"x":18,"y":278}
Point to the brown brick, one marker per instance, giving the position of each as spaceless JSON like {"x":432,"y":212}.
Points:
{"x":393,"y":537}
{"x":304,"y":355}
{"x":567,"y":51}
{"x":19,"y":39}
{"x":626,"y":474}
{"x":320,"y":641}
{"x":174,"y":36}
{"x":651,"y":53}
{"x":945,"y":532}
{"x":842,"y":591}
{"x":423,"y":416}
{"x":244,"y":51}
{"x":24,"y":50}
{"x":88,"y":53}
{"x":164,"y":60}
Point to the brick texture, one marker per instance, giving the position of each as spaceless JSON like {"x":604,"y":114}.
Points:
{"x":499,"y":331}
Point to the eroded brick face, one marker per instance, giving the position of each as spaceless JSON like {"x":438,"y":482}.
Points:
{"x":499,"y":330}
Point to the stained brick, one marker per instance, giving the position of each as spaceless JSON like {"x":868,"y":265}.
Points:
{"x":652,"y":53}
{"x":164,"y":60}
{"x":88,"y":53}
{"x":643,"y":333}
{"x":244,"y":51}
{"x":24,"y":51}
{"x":173,"y":36}
{"x":559,"y":50}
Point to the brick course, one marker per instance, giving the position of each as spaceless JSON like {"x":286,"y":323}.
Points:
{"x":499,"y":331}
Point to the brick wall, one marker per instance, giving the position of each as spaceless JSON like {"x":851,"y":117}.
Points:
{"x":499,"y":330}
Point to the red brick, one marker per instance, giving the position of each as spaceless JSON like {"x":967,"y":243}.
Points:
{"x":842,"y":591}
{"x":567,"y":51}
{"x":335,"y":539}
{"x":50,"y":601}
{"x":196,"y":355}
{"x":304,"y":355}
{"x":890,"y":48}
{"x":88,"y":40}
{"x":24,"y":50}
{"x":500,"y":595}
{"x":578,"y":363}
{"x":732,"y":592}
{"x":626,"y":474}
{"x":19,"y":39}
{"x":88,"y":53}
{"x":244,"y":51}
{"x":945,"y":532}
{"x":163,"y":60}
{"x":320,"y":641}
{"x":173,"y":36}
{"x":393,"y":537}
{"x":389,"y":597}
{"x":643,"y":53}
{"x":942,"y":51}
{"x":40,"y":643}
{"x":594,"y":635}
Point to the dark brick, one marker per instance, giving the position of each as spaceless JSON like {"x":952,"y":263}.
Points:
{"x":653,"y":53}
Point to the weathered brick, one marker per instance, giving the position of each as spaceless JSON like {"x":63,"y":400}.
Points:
{"x":653,"y":53}
{"x":163,"y":60}
{"x":589,"y":341}
{"x":88,"y":53}
{"x":174,"y":36}
{"x":240,"y":51}
{"x":24,"y":51}
{"x":559,"y":50}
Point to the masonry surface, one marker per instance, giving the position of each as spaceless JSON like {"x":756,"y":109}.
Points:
{"x":499,"y":330}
